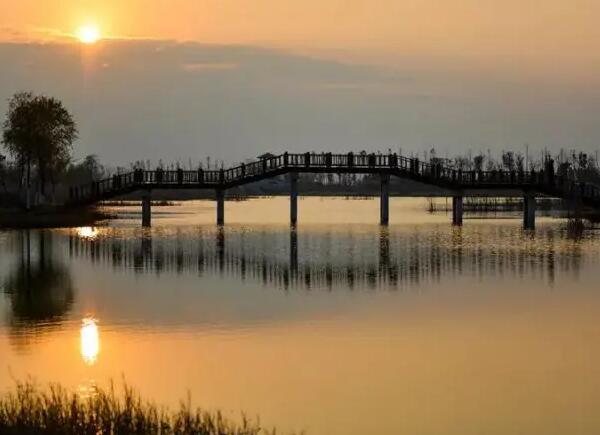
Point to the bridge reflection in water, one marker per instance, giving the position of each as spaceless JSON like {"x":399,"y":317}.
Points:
{"x":333,"y":259}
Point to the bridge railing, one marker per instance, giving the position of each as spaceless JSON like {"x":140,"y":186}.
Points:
{"x":428,"y":171}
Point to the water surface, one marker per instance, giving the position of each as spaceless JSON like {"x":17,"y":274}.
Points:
{"x":339,"y":327}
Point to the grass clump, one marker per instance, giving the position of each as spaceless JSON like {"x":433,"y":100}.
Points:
{"x":30,"y":410}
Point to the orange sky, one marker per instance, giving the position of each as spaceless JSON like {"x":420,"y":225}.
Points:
{"x":508,"y":31}
{"x":458,"y":73}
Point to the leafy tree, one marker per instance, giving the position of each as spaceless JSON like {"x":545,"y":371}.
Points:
{"x":478,"y":162}
{"x":89,"y":169}
{"x":519,"y":162}
{"x":508,"y":160}
{"x":2,"y":171}
{"x":39,"y":133}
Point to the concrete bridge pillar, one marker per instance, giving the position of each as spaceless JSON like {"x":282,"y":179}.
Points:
{"x":146,"y":208}
{"x":529,"y":206}
{"x":384,"y":200}
{"x":220,"y":206}
{"x":457,"y":210}
{"x":293,"y":198}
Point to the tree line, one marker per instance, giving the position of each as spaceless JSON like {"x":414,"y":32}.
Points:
{"x":38,"y":134}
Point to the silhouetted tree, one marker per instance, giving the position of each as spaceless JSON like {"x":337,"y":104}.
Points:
{"x":478,"y":162}
{"x":39,"y":133}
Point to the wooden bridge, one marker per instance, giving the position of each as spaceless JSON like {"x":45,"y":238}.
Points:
{"x":530,"y":184}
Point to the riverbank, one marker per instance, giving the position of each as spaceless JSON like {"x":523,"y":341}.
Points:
{"x":51,"y":217}
{"x":30,"y":410}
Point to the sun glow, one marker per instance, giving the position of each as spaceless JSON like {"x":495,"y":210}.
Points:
{"x":90,"y":340}
{"x":88,"y":34}
{"x":87,"y":232}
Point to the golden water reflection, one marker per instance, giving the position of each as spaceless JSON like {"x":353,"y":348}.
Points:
{"x":480,"y":329}
{"x":90,"y":340}
{"x":87,"y":232}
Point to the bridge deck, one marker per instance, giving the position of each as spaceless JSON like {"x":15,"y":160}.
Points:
{"x":533,"y":182}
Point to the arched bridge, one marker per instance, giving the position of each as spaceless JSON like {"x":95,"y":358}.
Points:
{"x":459,"y":182}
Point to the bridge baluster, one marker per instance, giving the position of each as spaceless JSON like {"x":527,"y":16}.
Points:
{"x":372,"y":160}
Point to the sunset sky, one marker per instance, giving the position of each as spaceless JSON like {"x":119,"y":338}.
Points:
{"x":234,"y":78}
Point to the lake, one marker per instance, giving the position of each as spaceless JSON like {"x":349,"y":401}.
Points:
{"x":339,"y":327}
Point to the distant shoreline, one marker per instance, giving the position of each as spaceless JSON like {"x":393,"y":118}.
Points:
{"x":51,"y":218}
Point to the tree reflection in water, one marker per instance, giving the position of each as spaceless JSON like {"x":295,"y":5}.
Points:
{"x":40,"y":289}
{"x":383,"y":258}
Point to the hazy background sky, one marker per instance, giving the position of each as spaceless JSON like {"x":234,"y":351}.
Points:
{"x":231,"y":79}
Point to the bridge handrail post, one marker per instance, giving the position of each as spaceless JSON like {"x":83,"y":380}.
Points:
{"x":328,"y":160}
{"x":285,"y":159}
{"x":350,"y":159}
{"x":137,"y":176}
{"x":307,"y":160}
{"x":158,"y":173}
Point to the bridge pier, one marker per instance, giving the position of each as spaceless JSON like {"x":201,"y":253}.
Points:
{"x":529,"y":206}
{"x":457,"y":210}
{"x":293,"y":198}
{"x":147,"y":209}
{"x":384,"y":200}
{"x":220,"y":206}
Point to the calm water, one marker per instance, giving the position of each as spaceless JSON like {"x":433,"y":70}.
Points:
{"x":339,"y":328}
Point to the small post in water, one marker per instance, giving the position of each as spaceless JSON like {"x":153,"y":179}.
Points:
{"x":384,"y":204}
{"x":529,"y":206}
{"x":146,"y":209}
{"x":220,"y":207}
{"x":457,"y":210}
{"x":293,"y":198}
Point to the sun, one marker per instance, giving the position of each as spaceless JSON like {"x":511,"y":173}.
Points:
{"x":88,"y":34}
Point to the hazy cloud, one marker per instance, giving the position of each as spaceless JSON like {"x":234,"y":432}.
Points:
{"x":148,"y":99}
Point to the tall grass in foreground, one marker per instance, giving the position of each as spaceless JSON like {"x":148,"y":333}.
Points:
{"x":32,"y":410}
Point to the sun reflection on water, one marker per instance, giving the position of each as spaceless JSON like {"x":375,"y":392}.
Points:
{"x":90,"y":340}
{"x":87,"y":232}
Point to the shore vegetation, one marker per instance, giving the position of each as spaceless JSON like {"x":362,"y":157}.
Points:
{"x":30,"y":410}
